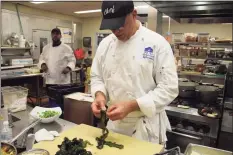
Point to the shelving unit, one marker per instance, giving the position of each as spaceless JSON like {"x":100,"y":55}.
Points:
{"x":202,"y":75}
{"x":208,"y":47}
{"x":191,"y":57}
{"x":15,"y":48}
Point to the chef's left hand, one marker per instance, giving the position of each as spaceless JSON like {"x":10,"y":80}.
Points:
{"x":66,"y":70}
{"x":120,"y":110}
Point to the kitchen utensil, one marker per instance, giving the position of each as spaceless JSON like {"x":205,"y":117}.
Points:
{"x":207,"y":94}
{"x":25,"y":130}
{"x":36,"y":151}
{"x":221,"y":69}
{"x":131,"y":145}
{"x":7,"y":147}
{"x":187,"y":89}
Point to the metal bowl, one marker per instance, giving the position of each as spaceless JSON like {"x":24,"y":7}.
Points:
{"x":8,"y":148}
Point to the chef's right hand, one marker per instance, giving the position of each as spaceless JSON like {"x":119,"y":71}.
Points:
{"x":98,"y":104}
{"x":44,"y":67}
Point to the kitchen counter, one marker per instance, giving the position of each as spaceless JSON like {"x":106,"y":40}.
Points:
{"x":60,"y":125}
{"x":20,"y":76}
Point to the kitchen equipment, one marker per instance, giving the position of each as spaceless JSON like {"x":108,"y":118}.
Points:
{"x":21,"y":61}
{"x":177,"y":37}
{"x":221,"y":69}
{"x":131,"y":145}
{"x":36,"y":152}
{"x":183,"y":121}
{"x":207,"y":94}
{"x":25,"y":130}
{"x":187,"y":89}
{"x":229,"y":85}
{"x":194,"y":149}
{"x":15,"y":98}
{"x":8,"y":148}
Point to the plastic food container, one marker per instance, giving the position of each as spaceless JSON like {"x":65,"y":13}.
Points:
{"x":190,"y":37}
{"x":177,"y":37}
{"x":203,"y":37}
{"x":15,"y":98}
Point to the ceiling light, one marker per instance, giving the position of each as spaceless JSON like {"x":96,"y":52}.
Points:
{"x":142,"y":6}
{"x":41,"y":1}
{"x":165,"y":16}
{"x":88,"y":11}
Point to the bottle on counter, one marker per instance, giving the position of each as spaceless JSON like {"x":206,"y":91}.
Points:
{"x":6,"y":132}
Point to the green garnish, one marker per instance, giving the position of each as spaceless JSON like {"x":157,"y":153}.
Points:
{"x":48,"y":114}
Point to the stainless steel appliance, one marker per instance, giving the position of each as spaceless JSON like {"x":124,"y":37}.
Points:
{"x":190,"y":127}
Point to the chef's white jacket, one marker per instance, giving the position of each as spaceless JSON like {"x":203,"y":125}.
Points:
{"x":142,"y":69}
{"x":57,"y":59}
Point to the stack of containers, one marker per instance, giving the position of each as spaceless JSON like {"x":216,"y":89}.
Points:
{"x":15,"y":98}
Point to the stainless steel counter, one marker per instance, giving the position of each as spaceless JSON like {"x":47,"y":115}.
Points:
{"x":190,"y":114}
{"x":20,"y":76}
{"x":25,"y":120}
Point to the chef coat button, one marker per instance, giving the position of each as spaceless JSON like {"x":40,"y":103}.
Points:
{"x":144,"y":121}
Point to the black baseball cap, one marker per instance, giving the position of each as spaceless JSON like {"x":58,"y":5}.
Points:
{"x":114,"y":14}
{"x":56,"y":30}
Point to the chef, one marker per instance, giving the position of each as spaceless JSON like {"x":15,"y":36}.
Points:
{"x":134,"y":74}
{"x":57,"y":61}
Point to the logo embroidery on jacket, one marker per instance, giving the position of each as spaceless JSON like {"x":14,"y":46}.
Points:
{"x":148,"y":53}
{"x":109,"y":10}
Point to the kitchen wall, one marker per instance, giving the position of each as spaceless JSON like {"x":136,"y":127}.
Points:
{"x":90,"y":28}
{"x":32,"y":18}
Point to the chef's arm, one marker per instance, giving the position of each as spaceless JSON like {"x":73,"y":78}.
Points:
{"x":71,"y":59}
{"x":97,"y":82}
{"x":166,"y":80}
{"x":42,"y":59}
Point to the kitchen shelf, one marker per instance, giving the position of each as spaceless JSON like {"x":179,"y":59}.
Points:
{"x":16,"y":67}
{"x":15,"y":48}
{"x":202,"y":75}
{"x":199,"y":43}
{"x":225,"y":59}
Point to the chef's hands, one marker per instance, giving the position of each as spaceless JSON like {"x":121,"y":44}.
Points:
{"x":98,"y":104}
{"x":120,"y":110}
{"x":44,"y":67}
{"x":66,"y":70}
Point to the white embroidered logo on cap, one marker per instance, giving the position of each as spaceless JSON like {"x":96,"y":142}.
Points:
{"x":109,"y":10}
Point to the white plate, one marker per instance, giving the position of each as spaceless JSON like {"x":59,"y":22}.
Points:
{"x":38,"y":110}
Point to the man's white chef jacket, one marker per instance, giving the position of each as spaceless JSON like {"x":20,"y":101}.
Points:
{"x":142,"y":68}
{"x":57,"y":59}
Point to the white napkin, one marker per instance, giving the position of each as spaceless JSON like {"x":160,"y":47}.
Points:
{"x":44,"y":135}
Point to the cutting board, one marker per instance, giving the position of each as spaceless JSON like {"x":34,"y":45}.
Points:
{"x":132,"y":146}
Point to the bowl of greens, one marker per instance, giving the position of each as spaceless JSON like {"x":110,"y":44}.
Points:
{"x":47,"y":115}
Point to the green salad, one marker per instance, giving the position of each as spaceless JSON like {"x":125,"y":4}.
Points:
{"x":48,"y":114}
